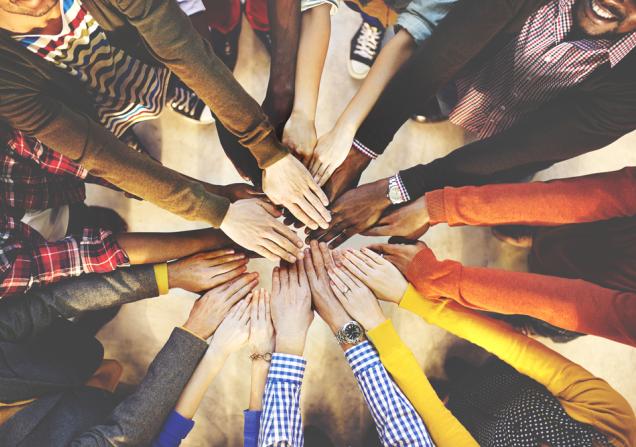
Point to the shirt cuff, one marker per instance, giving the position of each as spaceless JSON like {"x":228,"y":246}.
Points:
{"x":357,"y":144}
{"x":185,"y":329}
{"x":412,"y":300}
{"x":100,"y":252}
{"x":404,"y":194}
{"x":286,"y":367}
{"x":362,"y":357}
{"x":384,"y":337}
{"x":251,"y":426}
{"x":436,"y":207}
{"x":176,"y":427}
{"x":161,"y":275}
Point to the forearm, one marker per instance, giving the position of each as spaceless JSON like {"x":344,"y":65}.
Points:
{"x":558,"y":202}
{"x":138,"y":418}
{"x":260,"y":368}
{"x":400,"y":362}
{"x":571,"y":304}
{"x":28,"y":316}
{"x":312,"y":50}
{"x":284,"y":19}
{"x":392,"y":57}
{"x":144,"y":248}
{"x":206,"y":371}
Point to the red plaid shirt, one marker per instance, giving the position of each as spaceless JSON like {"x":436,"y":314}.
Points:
{"x":531,"y":69}
{"x":35,"y":177}
{"x":27,"y":259}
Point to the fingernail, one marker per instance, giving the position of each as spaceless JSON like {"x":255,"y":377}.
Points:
{"x":301,"y":255}
{"x":299,"y":244}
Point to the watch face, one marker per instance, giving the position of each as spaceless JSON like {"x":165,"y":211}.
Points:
{"x":352,"y":332}
{"x":394,"y":195}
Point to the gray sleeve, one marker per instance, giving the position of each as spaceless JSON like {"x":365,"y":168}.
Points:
{"x":138,"y":419}
{"x":422,"y":16}
{"x":25,"y":316}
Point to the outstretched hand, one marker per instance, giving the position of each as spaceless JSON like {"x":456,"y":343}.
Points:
{"x":234,"y":330}
{"x":291,"y":308}
{"x":253,"y":224}
{"x":288,"y":183}
{"x":399,"y":254}
{"x":375,"y":271}
{"x":410,"y":221}
{"x":262,"y":328}
{"x":204,"y":271}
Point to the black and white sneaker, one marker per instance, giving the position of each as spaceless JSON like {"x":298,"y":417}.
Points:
{"x":187,"y":104}
{"x":365,"y":47}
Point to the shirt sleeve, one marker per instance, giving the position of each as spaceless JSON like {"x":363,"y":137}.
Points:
{"x":395,"y":418}
{"x":251,"y":427}
{"x":281,"y":422}
{"x":27,"y":259}
{"x":400,"y":362}
{"x":571,"y":304}
{"x":174,"y":430}
{"x":574,"y":200}
{"x":585,"y":397}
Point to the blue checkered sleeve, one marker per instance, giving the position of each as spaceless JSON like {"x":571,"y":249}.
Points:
{"x":281,"y":423}
{"x":395,"y":418}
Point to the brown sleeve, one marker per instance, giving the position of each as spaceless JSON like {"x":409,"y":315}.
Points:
{"x":78,"y":137}
{"x":575,"y":200}
{"x":571,"y":304}
{"x":172,"y":39}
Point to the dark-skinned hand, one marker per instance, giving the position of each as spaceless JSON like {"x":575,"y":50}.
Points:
{"x":410,"y":221}
{"x":400,"y":252}
{"x":356,"y":211}
{"x":347,"y":175}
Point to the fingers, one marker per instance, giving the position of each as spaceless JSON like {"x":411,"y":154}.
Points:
{"x":284,"y":278}
{"x":317,"y":198}
{"x":267,"y":300}
{"x":346,"y":278}
{"x":293,"y":275}
{"x":267,"y":254}
{"x":323,"y":173}
{"x":302,"y":274}
{"x":220,"y":260}
{"x":342,"y":238}
{"x":276,"y":281}
{"x":254,"y":308}
{"x":355,"y":266}
{"x":277,"y":250}
{"x":283,"y":245}
{"x":317,"y":258}
{"x":229,"y":266}
{"x":340,"y":295}
{"x":338,"y":281}
{"x":270,"y":208}
{"x":289,"y":235}
{"x":242,"y":292}
{"x":218,"y":253}
{"x":228,"y":276}
{"x":302,"y":216}
{"x":243,"y":310}
{"x":312,"y":208}
{"x":370,"y":254}
{"x":320,"y":194}
{"x":384,"y":249}
{"x":327,"y":255}
{"x":379,"y":230}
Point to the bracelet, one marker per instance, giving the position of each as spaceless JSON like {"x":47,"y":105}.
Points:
{"x":267,"y":356}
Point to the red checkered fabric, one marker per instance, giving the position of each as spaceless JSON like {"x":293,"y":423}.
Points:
{"x":28,"y":260}
{"x":35,"y":177}
{"x":532,"y":69}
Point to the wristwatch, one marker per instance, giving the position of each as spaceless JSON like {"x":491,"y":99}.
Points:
{"x":350,"y":333}
{"x":394,"y":193}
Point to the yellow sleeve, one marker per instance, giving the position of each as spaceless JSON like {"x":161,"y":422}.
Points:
{"x":161,"y":275}
{"x":400,"y":362}
{"x":586,"y":398}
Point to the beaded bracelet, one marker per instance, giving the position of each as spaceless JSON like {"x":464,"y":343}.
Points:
{"x":267,"y":356}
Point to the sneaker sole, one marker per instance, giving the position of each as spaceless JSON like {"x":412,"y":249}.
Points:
{"x":354,"y":74}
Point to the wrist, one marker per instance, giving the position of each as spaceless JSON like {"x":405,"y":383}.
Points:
{"x":197,"y":329}
{"x":373,"y":322}
{"x":303,"y":114}
{"x":290,"y":344}
{"x":217,"y":351}
{"x":346,"y":126}
{"x":381,"y":189}
{"x":337,"y":321}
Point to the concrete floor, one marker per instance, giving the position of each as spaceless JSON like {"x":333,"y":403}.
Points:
{"x":330,"y":397}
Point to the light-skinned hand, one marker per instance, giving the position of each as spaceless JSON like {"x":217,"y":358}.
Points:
{"x":317,"y":260}
{"x":356,"y":298}
{"x":253,"y":224}
{"x":410,"y":221}
{"x":288,"y":183}
{"x":376,"y":272}
{"x":331,"y":150}
{"x":291,"y":308}
{"x":400,"y":255}
{"x":300,"y":136}
{"x":209,"y":310}
{"x":206,"y":270}
{"x":234,"y":330}
{"x":262,"y":329}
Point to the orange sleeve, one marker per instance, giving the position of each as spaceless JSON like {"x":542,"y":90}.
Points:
{"x":575,"y":305}
{"x":575,"y":200}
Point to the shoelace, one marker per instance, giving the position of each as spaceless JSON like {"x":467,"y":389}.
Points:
{"x":367,"y":43}
{"x":185,"y":101}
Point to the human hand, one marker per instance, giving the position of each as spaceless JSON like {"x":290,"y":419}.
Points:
{"x":288,"y":183}
{"x":330,"y":152}
{"x":410,"y":221}
{"x":377,"y":273}
{"x":347,"y":175}
{"x":252,"y":224}
{"x":204,"y":271}
{"x":234,"y":330}
{"x":399,"y":254}
{"x":262,"y":329}
{"x":209,"y":310}
{"x":235,"y":191}
{"x":356,"y":298}
{"x":300,"y":136}
{"x":317,"y":260}
{"x":354,"y":212}
{"x":291,"y":308}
